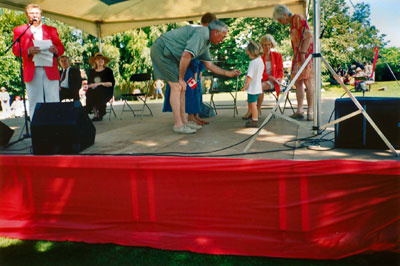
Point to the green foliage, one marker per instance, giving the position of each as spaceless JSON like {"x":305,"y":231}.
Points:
{"x":391,"y":57}
{"x":134,"y":52}
{"x":10,"y":68}
{"x":231,"y":52}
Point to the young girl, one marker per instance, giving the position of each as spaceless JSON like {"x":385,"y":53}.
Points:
{"x":253,"y":80}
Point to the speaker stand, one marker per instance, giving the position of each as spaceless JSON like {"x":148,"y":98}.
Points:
{"x":22,"y":136}
{"x":26,"y":126}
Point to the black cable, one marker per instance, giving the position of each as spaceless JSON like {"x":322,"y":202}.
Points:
{"x":182,"y":154}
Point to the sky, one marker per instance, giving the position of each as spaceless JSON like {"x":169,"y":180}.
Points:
{"x":385,"y":16}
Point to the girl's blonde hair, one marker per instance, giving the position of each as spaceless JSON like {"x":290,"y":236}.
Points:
{"x":254,"y":48}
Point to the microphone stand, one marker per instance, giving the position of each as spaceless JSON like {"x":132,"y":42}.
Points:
{"x":18,"y":39}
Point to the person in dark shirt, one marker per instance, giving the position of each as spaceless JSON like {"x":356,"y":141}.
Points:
{"x":71,"y":80}
{"x":100,"y":86}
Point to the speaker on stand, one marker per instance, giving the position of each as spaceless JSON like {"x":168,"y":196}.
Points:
{"x":61,"y":128}
{"x":356,"y":132}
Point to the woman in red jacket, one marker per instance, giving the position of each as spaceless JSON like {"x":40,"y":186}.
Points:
{"x":273,"y":69}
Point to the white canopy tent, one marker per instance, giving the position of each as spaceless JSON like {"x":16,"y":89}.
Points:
{"x":105,"y":17}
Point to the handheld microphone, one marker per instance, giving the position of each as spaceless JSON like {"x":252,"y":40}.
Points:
{"x":322,"y":33}
{"x":33,"y":20}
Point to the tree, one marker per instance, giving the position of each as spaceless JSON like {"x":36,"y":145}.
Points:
{"x":231,"y":52}
{"x":367,"y":36}
{"x":346,"y":38}
{"x":10,"y":75}
{"x":390,"y":56}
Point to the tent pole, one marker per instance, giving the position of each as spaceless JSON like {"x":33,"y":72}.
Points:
{"x":317,"y":66}
{"x":98,"y":27}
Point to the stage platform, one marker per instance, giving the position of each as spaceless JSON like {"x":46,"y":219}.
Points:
{"x":154,"y":135}
{"x":139,"y":186}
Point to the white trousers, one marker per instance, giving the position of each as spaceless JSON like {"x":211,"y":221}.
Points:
{"x":5,"y":106}
{"x":41,"y":89}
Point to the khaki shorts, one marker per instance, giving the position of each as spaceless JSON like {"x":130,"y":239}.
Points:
{"x":165,"y":66}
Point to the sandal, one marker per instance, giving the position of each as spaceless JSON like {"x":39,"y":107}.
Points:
{"x":202,"y":121}
{"x":251,"y":123}
{"x":246,"y":116}
{"x":310,"y":117}
{"x":297,"y":116}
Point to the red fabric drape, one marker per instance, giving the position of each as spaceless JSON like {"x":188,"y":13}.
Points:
{"x":297,"y":209}
{"x":376,"y":50}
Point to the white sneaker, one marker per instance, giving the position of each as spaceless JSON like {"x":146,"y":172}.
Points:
{"x":184,"y":130}
{"x":193,"y":125}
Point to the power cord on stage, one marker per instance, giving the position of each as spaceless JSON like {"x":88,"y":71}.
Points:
{"x":307,"y":142}
{"x":199,"y":154}
{"x":188,"y":153}
{"x":183,"y":154}
{"x":310,"y":142}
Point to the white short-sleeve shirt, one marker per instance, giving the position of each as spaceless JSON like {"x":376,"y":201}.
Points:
{"x":255,"y":72}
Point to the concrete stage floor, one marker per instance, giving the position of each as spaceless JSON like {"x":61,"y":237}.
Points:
{"x":133,"y":135}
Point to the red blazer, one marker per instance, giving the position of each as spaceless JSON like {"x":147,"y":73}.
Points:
{"x":49,"y":33}
{"x":277,"y":69}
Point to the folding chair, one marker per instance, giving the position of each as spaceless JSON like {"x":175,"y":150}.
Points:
{"x":110,"y":109}
{"x":140,"y":96}
{"x":287,"y":100}
{"x":225,"y":89}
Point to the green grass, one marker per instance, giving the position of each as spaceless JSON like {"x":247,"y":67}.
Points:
{"x":392,"y":90}
{"x":32,"y":252}
{"x":333,"y":92}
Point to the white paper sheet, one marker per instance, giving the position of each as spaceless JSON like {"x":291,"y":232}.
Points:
{"x":45,"y":57}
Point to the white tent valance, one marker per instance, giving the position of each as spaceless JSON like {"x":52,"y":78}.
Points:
{"x":105,"y":17}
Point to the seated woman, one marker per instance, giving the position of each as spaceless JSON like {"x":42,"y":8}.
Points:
{"x":359,"y":80}
{"x":100,"y":86}
{"x":273,"y":70}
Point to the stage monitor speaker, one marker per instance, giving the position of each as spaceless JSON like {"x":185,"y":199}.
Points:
{"x":5,"y":134}
{"x":61,"y":128}
{"x":356,"y":132}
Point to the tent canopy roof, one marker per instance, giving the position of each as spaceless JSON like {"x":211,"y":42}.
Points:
{"x":105,"y":17}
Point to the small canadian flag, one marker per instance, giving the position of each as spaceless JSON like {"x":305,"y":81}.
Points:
{"x":192,"y":83}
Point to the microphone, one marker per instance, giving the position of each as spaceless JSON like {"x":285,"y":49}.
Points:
{"x":33,"y":20}
{"x":322,"y":33}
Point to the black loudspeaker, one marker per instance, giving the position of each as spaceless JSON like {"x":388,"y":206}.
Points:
{"x":61,"y":128}
{"x":5,"y":134}
{"x":356,"y":132}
